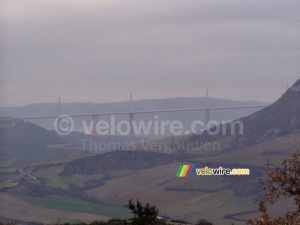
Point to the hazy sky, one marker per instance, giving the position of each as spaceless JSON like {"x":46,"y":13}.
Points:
{"x":100,"y":50}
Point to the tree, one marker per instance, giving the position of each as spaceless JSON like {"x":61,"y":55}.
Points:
{"x":143,"y":214}
{"x":284,"y":180}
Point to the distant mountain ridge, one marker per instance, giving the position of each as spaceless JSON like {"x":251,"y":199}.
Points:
{"x":52,"y":109}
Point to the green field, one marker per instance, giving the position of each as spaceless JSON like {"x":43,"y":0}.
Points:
{"x":74,"y":204}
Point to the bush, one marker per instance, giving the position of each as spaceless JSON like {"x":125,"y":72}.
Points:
{"x":203,"y":222}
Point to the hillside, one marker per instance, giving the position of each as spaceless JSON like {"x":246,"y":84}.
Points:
{"x":279,"y":119}
{"x":120,"y":160}
{"x":20,"y":138}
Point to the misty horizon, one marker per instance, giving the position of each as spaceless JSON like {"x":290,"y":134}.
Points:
{"x":100,"y":51}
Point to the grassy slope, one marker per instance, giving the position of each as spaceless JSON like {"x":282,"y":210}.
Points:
{"x":257,"y":154}
{"x":212,"y":206}
{"x":17,"y":208}
{"x":139,"y":181}
{"x":51,"y":175}
{"x":9,"y":168}
{"x":73,"y":204}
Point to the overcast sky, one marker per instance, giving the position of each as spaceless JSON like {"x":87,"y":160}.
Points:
{"x":101,"y":50}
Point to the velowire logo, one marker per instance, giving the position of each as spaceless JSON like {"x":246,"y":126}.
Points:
{"x":185,"y":170}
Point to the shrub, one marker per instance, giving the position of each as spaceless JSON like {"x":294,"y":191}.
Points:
{"x":143,"y":214}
